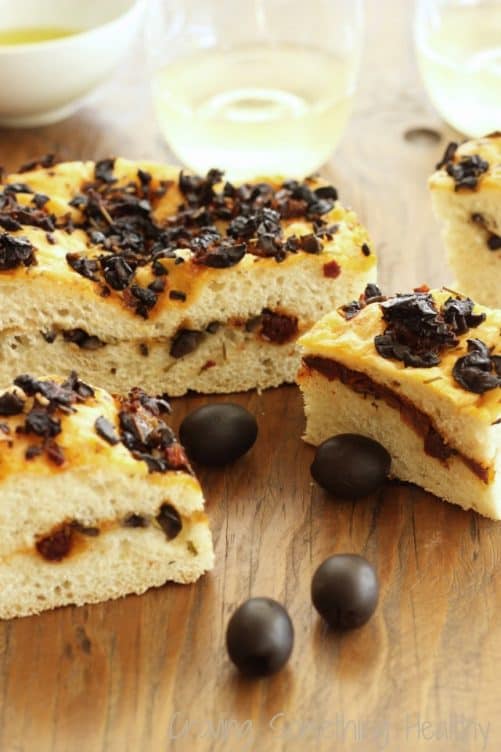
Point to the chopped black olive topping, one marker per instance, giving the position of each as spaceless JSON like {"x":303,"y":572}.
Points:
{"x":15,"y":251}
{"x":81,"y":389}
{"x":146,"y":435}
{"x":11,"y":404}
{"x":198,"y":190}
{"x":104,"y":170}
{"x":371,"y":294}
{"x":448,"y":156}
{"x":78,"y":201}
{"x":40,"y":422}
{"x":458,"y":312}
{"x":42,"y":419}
{"x":467,"y":171}
{"x":144,"y":299}
{"x":326,"y":191}
{"x":84,"y":266}
{"x":142,"y":429}
{"x":159,"y":269}
{"x":106,"y":431}
{"x":157,"y":286}
{"x":479,"y":371}
{"x":117,"y":272}
{"x":144,"y":178}
{"x":177,"y":295}
{"x":33,"y":451}
{"x":13,"y":215}
{"x":54,"y":452}
{"x":48,"y":160}
{"x":310,"y":243}
{"x":40,"y":199}
{"x":60,"y":396}
{"x":9,"y":223}
{"x":17,"y":188}
{"x":119,"y":219}
{"x":417,"y":332}
{"x":222,"y":256}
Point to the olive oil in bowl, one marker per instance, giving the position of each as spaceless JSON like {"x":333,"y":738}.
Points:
{"x":32,"y":35}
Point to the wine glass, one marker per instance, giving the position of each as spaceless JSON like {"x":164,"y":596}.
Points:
{"x":459,"y":53}
{"x":256,"y":87}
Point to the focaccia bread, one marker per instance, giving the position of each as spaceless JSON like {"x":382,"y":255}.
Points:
{"x":420,"y":374}
{"x":97,"y":497}
{"x":466,"y":196}
{"x":135,"y":273}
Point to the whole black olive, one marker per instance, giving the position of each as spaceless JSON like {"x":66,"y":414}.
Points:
{"x":350,"y":466}
{"x":345,"y":590}
{"x":218,"y":434}
{"x":260,"y":637}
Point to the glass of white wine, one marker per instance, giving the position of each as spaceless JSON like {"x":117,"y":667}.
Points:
{"x":255,"y":87}
{"x":459,"y":52}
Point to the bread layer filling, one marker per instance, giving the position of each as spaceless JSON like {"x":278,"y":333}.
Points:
{"x":277,"y":327}
{"x":434,"y":443}
{"x":70,"y":536}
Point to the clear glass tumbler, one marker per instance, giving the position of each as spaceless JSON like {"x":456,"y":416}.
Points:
{"x":255,"y":87}
{"x":459,"y":52}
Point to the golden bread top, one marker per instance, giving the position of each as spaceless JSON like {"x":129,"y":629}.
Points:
{"x":145,"y":236}
{"x":472,"y":166}
{"x":50,"y":426}
{"x":383,"y":345}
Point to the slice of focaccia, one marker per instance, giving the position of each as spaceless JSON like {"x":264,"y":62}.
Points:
{"x":466,"y":196}
{"x":97,"y":497}
{"x":420,"y":374}
{"x":135,"y":273}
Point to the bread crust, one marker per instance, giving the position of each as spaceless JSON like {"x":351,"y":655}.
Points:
{"x":58,"y":293}
{"x":450,"y":431}
{"x":88,"y":478}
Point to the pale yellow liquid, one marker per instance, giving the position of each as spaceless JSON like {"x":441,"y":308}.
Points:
{"x":460,"y":62}
{"x":30,"y":35}
{"x":257,"y":110}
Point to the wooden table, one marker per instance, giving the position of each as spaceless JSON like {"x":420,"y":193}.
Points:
{"x":151,"y":673}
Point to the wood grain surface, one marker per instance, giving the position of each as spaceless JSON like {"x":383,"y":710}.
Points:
{"x":151,"y":673}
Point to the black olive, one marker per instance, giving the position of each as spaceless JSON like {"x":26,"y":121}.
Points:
{"x":170,"y":521}
{"x":350,"y":466}
{"x":218,"y":434}
{"x":185,"y":342}
{"x":345,"y":591}
{"x":260,"y":637}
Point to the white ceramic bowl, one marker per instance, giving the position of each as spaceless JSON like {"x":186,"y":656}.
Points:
{"x":42,"y":82}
